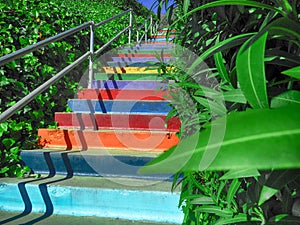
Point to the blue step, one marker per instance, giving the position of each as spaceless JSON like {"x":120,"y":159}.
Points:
{"x":91,"y":163}
{"x":120,"y":106}
{"x":129,"y":85}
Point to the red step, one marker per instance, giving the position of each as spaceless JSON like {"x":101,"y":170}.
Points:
{"x":123,"y":94}
{"x":142,"y":141}
{"x":116,"y":121}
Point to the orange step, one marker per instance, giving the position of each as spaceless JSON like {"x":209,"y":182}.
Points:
{"x":142,"y":141}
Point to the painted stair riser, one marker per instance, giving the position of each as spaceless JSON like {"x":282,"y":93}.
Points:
{"x":143,"y":55}
{"x":116,"y":121}
{"x":162,"y":38}
{"x":126,"y":76}
{"x":143,"y":141}
{"x":155,"y":47}
{"x":129,"y":85}
{"x":120,"y":106}
{"x":161,"y":35}
{"x":131,"y":70}
{"x":115,"y":94}
{"x":158,"y":206}
{"x":133,"y":59}
{"x":88,"y":164}
{"x":146,"y":51}
{"x":131,"y":64}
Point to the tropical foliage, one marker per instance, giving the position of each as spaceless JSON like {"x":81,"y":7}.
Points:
{"x":26,"y":22}
{"x":244,"y":164}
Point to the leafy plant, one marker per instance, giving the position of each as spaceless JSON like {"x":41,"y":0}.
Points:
{"x":244,"y":165}
{"x":26,"y":22}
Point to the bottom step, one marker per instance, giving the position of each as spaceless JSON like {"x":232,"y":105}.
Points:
{"x":82,"y":196}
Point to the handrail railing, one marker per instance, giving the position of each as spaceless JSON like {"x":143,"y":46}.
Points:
{"x":89,"y":54}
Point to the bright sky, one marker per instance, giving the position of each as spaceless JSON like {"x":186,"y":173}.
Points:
{"x":148,"y":4}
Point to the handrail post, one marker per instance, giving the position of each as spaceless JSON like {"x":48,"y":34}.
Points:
{"x":130,"y":25}
{"x":91,"y":59}
{"x":151,"y":25}
{"x":146,"y":31}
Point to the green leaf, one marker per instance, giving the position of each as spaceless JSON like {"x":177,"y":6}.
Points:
{"x":242,"y":173}
{"x":204,"y":200}
{"x":230,"y":2}
{"x":8,"y":142}
{"x":253,"y":139}
{"x":286,"y":27}
{"x":215,"y":210}
{"x":285,"y":99}
{"x":293,"y":72}
{"x":234,"y":95}
{"x":283,"y":219}
{"x":219,"y":62}
{"x":215,"y":108}
{"x":251,"y":72}
{"x":275,"y":182}
{"x":266,"y":193}
{"x":234,"y":186}
{"x":223,"y":45}
{"x":236,"y":219}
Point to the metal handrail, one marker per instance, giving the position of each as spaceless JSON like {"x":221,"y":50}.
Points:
{"x":89,"y":54}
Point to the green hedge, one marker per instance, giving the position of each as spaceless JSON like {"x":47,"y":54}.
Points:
{"x":23,"y":23}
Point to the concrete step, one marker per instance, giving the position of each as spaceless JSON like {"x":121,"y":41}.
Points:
{"x":13,"y":218}
{"x":98,"y":121}
{"x":123,"y":94}
{"x":157,"y":107}
{"x":128,"y":199}
{"x":67,"y":139}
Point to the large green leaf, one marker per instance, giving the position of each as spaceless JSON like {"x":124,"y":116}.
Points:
{"x":286,"y":98}
{"x":258,"y":139}
{"x":251,"y":72}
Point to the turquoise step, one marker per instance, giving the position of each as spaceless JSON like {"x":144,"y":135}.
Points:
{"x":130,"y":199}
{"x":120,"y":106}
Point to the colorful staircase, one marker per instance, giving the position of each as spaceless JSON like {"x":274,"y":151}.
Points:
{"x":125,"y":109}
{"x":90,"y":163}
